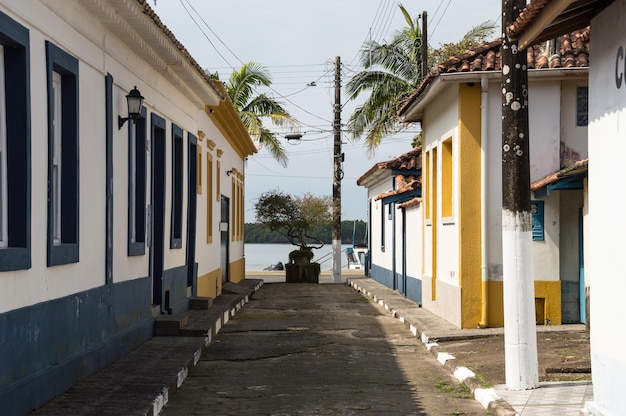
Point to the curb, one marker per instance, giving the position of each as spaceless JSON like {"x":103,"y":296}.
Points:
{"x":487,"y":397}
{"x":161,"y":400}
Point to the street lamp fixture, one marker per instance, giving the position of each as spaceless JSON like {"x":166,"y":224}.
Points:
{"x":293,"y":138}
{"x":134,"y":100}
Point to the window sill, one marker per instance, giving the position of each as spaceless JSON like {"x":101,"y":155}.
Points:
{"x":447,"y":220}
{"x":62,"y":254}
{"x":14,"y":258}
{"x":136,"y":248}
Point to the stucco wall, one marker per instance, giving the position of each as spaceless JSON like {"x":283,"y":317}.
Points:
{"x":440,"y":123}
{"x":546,"y":252}
{"x":414,"y":241}
{"x":544,"y":108}
{"x":607,"y":98}
{"x":573,"y":137}
{"x":569,"y":262}
{"x":100,"y":319}
{"x":380,"y":256}
{"x":448,"y":303}
{"x":85,"y":40}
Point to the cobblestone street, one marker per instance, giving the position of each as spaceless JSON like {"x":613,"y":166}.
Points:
{"x":318,"y":350}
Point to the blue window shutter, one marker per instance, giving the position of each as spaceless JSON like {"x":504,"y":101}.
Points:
{"x":536,"y":209}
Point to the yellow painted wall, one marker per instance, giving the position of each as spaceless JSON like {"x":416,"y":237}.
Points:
{"x":551,"y":292}
{"x":210,"y":284}
{"x":468,"y":203}
{"x":548,"y":290}
{"x":496,"y":305}
{"x":238,"y":270}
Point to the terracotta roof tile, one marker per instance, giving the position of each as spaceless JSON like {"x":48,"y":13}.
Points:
{"x":575,"y":15}
{"x":573,"y":169}
{"x":526,"y":16}
{"x":487,"y":57}
{"x":411,"y":160}
{"x":408,"y":184}
{"x":573,"y":52}
{"x":410,"y":203}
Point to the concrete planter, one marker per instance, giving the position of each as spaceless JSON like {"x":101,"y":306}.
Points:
{"x":302,"y":273}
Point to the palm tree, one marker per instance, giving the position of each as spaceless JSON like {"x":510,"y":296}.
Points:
{"x":253,"y":108}
{"x":392,"y":71}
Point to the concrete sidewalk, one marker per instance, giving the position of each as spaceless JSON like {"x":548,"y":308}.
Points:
{"x":551,"y":398}
{"x":141,"y":382}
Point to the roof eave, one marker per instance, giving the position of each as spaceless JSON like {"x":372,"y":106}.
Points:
{"x":415,"y":111}
{"x":542,"y":20}
{"x":374,"y":175}
{"x":135,"y":23}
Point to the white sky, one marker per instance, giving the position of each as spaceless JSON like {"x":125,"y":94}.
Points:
{"x":298,"y":42}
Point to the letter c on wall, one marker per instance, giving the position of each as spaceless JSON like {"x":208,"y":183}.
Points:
{"x":619,"y":73}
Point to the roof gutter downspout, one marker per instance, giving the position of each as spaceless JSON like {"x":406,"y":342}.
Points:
{"x":484,"y":272}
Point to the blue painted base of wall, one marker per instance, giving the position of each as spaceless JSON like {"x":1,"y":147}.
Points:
{"x":414,"y":289}
{"x":175,"y":281}
{"x":382,"y":275}
{"x":48,"y":347}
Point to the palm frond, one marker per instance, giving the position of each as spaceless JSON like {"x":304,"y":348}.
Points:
{"x":272,"y":144}
{"x":480,"y":32}
{"x":392,"y":71}
{"x":253,"y":108}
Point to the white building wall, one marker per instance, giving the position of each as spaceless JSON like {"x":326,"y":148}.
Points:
{"x":386,"y":249}
{"x":448,"y":231}
{"x":606,"y":248}
{"x":381,"y":257}
{"x":573,"y":137}
{"x":208,"y":253}
{"x":414,"y":241}
{"x":494,"y":181}
{"x":546,"y":253}
{"x":399,"y":220}
{"x":545,"y":136}
{"x":75,"y":30}
{"x":546,"y":128}
{"x":41,"y":283}
{"x":544,"y":104}
{"x":441,"y":121}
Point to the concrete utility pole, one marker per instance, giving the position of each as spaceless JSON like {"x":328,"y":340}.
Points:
{"x":520,"y":336}
{"x":337,"y":176}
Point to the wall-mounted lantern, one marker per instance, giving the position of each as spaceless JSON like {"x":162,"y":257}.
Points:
{"x":134,"y":99}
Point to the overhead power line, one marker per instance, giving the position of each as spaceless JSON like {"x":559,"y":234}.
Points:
{"x":440,"y":17}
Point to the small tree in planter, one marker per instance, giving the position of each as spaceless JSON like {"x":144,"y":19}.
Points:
{"x":296,"y":218}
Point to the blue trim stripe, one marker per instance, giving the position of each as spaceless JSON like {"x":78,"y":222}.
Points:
{"x":16,"y":39}
{"x":108,"y":263}
{"x":66,"y":65}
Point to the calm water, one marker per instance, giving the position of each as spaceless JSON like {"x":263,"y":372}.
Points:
{"x":260,"y":256}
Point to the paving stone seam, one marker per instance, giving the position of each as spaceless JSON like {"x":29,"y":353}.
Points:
{"x":487,"y":397}
{"x":159,"y":402}
{"x":150,"y":405}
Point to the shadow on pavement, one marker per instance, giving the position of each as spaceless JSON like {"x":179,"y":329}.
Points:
{"x":317,"y":350}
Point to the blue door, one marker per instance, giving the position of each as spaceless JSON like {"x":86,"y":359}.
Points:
{"x":581,"y":269}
